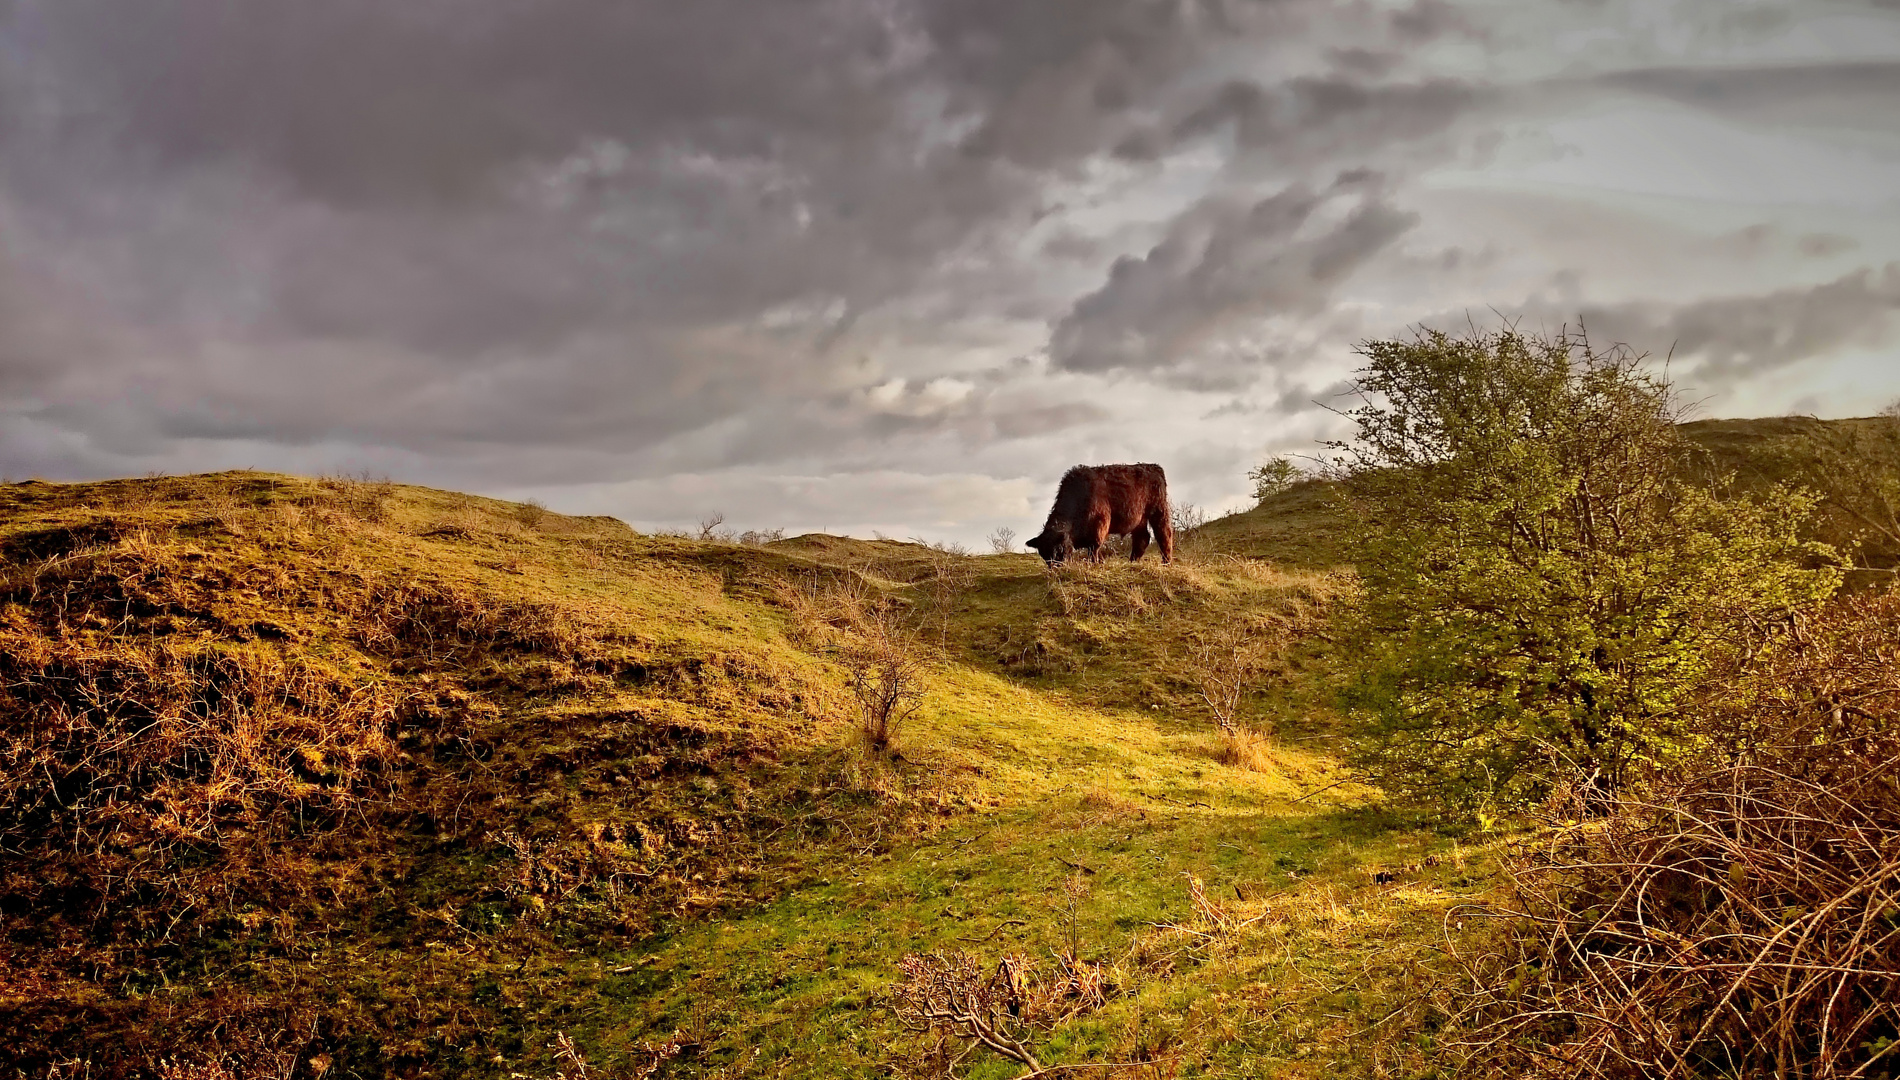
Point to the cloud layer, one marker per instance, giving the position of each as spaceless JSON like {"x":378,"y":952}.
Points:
{"x":655,"y":248}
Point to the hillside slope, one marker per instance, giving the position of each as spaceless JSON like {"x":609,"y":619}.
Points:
{"x":345,"y":778}
{"x":1853,"y":463}
{"x":332,"y":777}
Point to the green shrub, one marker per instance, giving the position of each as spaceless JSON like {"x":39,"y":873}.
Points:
{"x":1272,"y":477}
{"x":1542,"y":587}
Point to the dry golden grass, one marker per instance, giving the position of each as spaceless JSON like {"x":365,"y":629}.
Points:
{"x":1246,"y":748}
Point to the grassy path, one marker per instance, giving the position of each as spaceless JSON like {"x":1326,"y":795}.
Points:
{"x":799,"y":987}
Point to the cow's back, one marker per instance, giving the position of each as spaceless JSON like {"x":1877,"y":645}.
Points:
{"x":1127,"y":495}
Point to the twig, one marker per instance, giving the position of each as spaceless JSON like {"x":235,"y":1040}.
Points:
{"x":998,"y":930}
{"x":1051,"y":1070}
{"x":1328,"y":787}
{"x":1177,"y":802}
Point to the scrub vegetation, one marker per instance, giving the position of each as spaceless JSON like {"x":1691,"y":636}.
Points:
{"x":338,"y":777}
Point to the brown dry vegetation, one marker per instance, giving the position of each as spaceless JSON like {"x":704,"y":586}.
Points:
{"x":306,"y":775}
{"x":260,"y":712}
{"x":1742,"y":916}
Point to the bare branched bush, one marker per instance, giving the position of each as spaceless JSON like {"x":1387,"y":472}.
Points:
{"x":362,"y":496}
{"x":957,"y":994}
{"x":1186,"y":517}
{"x":1741,"y":919}
{"x":570,"y":1065}
{"x":1003,"y":541}
{"x":1227,"y":663}
{"x":709,"y":527}
{"x":530,"y":514}
{"x":885,"y":669}
{"x":960,"y":998}
{"x":826,"y":603}
{"x":951,"y":574}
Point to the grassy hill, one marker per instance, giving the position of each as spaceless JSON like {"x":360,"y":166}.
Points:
{"x":361,"y":779}
{"x":1853,"y":463}
{"x":332,"y":777}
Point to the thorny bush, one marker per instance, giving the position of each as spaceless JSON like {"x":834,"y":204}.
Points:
{"x":1743,"y":918}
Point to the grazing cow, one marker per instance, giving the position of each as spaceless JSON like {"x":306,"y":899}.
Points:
{"x":1094,"y":502}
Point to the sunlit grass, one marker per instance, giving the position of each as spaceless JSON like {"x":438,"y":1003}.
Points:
{"x":663,"y":725}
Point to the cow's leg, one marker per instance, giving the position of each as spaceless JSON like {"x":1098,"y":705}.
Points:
{"x":1164,"y":532}
{"x":1098,"y":538}
{"x":1138,"y":543}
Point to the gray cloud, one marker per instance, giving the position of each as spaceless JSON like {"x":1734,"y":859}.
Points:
{"x":494,"y":243}
{"x":590,"y":222}
{"x":1429,"y":19}
{"x":1863,"y":91}
{"x":1315,"y":118}
{"x":1221,"y":262}
{"x":1734,"y":337}
{"x":441,"y":225}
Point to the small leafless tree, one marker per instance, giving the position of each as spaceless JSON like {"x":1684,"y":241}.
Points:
{"x":1226,"y":664}
{"x":709,"y":527}
{"x":1187,"y":519}
{"x":951,"y":575}
{"x":885,"y":671}
{"x":1003,"y":540}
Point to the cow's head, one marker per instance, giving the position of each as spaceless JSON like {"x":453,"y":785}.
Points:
{"x":1053,"y":546}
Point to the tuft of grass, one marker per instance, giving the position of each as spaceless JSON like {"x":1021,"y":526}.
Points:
{"x":530,"y":514}
{"x":1245,"y":748}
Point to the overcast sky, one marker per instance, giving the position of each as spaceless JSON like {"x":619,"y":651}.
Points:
{"x":895,"y":264}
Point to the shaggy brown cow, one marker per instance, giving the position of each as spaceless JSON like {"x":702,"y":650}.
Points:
{"x":1094,"y":502}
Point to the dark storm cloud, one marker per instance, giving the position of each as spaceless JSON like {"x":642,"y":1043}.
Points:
{"x":434,"y":225}
{"x":1222,"y":262}
{"x":540,"y":238}
{"x":1733,"y":337}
